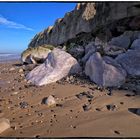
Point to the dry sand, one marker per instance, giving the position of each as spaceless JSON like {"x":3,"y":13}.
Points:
{"x":68,"y":118}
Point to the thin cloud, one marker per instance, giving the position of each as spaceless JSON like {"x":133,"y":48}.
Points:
{"x":12,"y":24}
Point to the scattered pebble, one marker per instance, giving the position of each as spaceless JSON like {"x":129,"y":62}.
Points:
{"x":12,"y":69}
{"x":86,"y":94}
{"x":72,"y":126}
{"x":20,"y":70}
{"x":110,"y":92}
{"x":59,"y":105}
{"x":14,"y":127}
{"x":37,"y":136}
{"x":98,"y":109}
{"x":117,"y":132}
{"x":23,"y":105}
{"x":111,"y":107}
{"x":129,"y":95}
{"x":86,"y":107}
{"x":20,"y":88}
{"x":50,"y":101}
{"x":121,"y":103}
{"x":22,"y":75}
{"x":40,"y":114}
{"x":15,"y":93}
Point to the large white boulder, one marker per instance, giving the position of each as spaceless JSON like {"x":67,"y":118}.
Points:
{"x":57,"y":65}
{"x":105,"y":71}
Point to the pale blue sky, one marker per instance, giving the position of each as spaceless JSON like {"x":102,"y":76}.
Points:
{"x":19,"y":22}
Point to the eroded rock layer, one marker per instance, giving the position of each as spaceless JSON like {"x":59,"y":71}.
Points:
{"x":113,"y":17}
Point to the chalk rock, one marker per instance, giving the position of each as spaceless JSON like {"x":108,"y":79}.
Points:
{"x":104,"y":71}
{"x":57,"y":65}
{"x":36,"y":55}
{"x":4,"y":124}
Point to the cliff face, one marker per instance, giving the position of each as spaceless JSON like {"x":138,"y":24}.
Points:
{"x":86,"y":18}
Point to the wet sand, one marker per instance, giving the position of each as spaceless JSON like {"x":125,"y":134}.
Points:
{"x":82,"y":110}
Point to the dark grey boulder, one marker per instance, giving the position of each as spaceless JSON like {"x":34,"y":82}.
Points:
{"x":130,"y":61}
{"x":136,"y":44}
{"x":121,"y":41}
{"x":105,"y":71}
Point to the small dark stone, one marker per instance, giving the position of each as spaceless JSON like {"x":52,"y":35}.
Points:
{"x":37,"y":136}
{"x":110,"y":107}
{"x":86,"y":107}
{"x":52,"y":110}
{"x":32,"y":106}
{"x":99,"y":88}
{"x":40,"y":114}
{"x":59,"y":105}
{"x":134,"y":91}
{"x":23,"y":105}
{"x":98,"y":109}
{"x":25,"y":86}
{"x":121,"y":103}
{"x":128,"y":95}
{"x":82,"y":94}
{"x":110,"y":92}
{"x":117,"y":132}
{"x":92,"y":88}
{"x":21,"y":126}
{"x":13,"y":127}
{"x":21,"y":132}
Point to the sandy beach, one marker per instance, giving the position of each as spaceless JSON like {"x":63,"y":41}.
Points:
{"x":81,"y":110}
